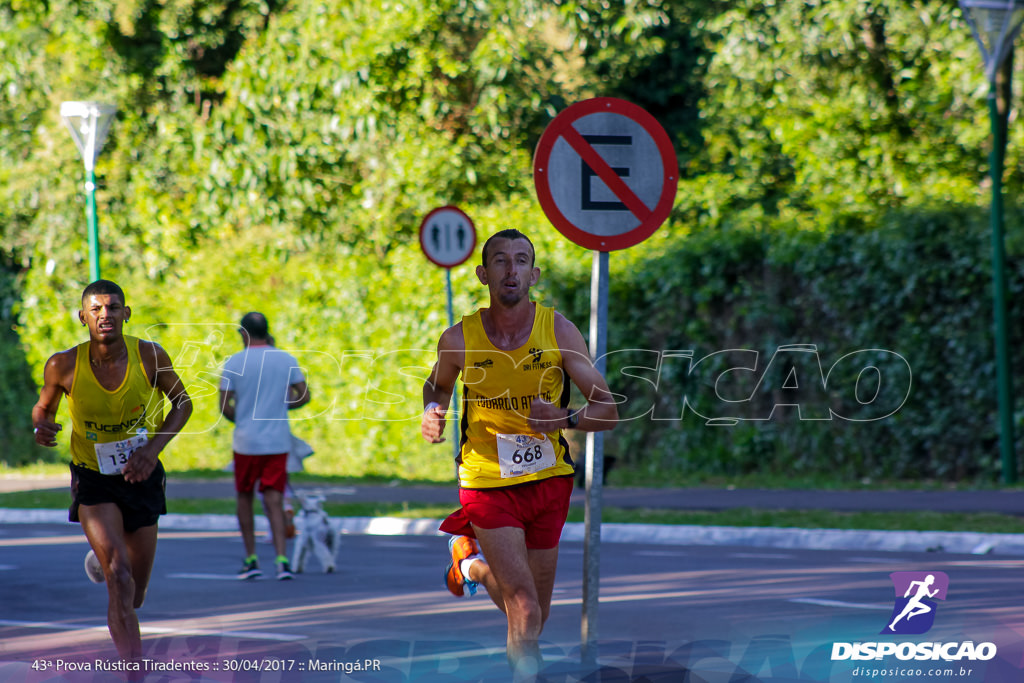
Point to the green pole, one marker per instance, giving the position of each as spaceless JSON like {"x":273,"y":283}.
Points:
{"x":90,"y":214}
{"x":455,"y":394}
{"x":1003,"y":378}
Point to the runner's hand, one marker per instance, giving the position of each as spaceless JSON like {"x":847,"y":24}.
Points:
{"x":46,"y":433}
{"x":142,"y":463}
{"x":545,"y":417}
{"x":432,"y":424}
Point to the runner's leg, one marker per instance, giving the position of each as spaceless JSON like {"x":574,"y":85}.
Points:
{"x":508,"y":559}
{"x":273,"y":500}
{"x":142,"y":550}
{"x":246,"y":524}
{"x":481,"y":573}
{"x":104,"y":527}
{"x":543,"y":564}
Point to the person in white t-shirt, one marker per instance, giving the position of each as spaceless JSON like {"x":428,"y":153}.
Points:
{"x":258,"y":387}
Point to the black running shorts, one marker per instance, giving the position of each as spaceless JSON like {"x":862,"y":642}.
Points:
{"x":141,"y":504}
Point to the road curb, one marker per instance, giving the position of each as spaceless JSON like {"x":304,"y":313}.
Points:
{"x":956,"y":542}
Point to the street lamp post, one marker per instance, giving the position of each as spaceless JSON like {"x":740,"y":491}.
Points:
{"x":89,"y":123}
{"x":995,"y":24}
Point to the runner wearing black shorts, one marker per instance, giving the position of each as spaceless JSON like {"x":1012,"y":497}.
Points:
{"x":141,"y":504}
{"x":115,"y":386}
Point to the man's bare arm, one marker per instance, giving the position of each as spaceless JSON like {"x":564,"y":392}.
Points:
{"x":601,"y":411}
{"x":57,"y":374}
{"x":298,"y":395}
{"x":163,"y":376}
{"x":440,"y":385}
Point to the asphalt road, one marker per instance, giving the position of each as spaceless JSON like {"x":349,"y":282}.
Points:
{"x":667,"y":613}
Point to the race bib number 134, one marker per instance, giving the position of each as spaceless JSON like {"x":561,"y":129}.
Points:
{"x":113,"y":455}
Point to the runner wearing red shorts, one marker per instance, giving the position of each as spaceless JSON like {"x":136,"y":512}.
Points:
{"x":515,"y":473}
{"x":258,"y":387}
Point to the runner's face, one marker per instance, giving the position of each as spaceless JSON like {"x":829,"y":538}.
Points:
{"x":104,"y":315}
{"x":510,"y":271}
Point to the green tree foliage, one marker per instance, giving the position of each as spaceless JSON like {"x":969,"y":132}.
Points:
{"x":280,"y":156}
{"x":824,"y":110}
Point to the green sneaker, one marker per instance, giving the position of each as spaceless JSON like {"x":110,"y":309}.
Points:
{"x":250,"y":569}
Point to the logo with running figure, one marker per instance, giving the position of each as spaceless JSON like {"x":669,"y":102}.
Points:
{"x":536,"y":362}
{"x":916,"y":592}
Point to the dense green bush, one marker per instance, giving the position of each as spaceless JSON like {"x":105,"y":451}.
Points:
{"x":911,"y":298}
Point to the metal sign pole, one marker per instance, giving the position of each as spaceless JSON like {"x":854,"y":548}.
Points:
{"x":594,"y":468}
{"x":455,"y":392}
{"x":610,"y":142}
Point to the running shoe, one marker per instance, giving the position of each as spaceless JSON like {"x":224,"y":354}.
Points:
{"x":92,"y":568}
{"x":284,"y":571}
{"x":460,"y":548}
{"x":250,"y":570}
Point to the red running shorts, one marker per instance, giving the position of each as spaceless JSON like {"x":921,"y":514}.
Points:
{"x":270,"y":470}
{"x":538,"y":507}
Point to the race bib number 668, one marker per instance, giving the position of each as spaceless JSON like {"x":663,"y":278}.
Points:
{"x":113,"y":455}
{"x":520,"y":454}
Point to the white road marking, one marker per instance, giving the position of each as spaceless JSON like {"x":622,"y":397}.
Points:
{"x":204,"y":577}
{"x":840,"y":603}
{"x":153,"y":630}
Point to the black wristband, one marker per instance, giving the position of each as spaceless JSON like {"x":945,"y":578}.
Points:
{"x":572,"y":418}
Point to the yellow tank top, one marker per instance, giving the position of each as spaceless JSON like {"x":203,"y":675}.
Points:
{"x":101,"y":416}
{"x":497,"y":446}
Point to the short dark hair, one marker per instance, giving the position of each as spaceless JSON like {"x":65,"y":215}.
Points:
{"x":103,"y":287}
{"x":255,"y":325}
{"x":508,"y":234}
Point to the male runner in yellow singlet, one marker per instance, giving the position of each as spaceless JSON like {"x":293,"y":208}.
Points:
{"x":115,"y":386}
{"x":515,"y":474}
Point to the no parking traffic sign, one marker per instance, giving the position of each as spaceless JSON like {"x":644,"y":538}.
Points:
{"x":447,"y":236}
{"x":606,"y":174}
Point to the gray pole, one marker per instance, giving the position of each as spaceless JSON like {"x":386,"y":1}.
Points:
{"x":594,"y":467}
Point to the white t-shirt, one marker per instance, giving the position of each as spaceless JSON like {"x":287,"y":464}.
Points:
{"x":260,"y":377}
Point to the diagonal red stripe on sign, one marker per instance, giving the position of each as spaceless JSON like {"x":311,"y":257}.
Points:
{"x":599,"y":166}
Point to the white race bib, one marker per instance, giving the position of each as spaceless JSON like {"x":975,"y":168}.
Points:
{"x":113,"y":455}
{"x":520,"y":454}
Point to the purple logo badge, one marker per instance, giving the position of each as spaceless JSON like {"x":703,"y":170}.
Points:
{"x":916,"y":592}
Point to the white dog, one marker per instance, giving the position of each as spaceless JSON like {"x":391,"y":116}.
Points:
{"x":316,"y":534}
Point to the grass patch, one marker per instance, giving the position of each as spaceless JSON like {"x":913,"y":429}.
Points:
{"x":741,"y":517}
{"x":767,"y":480}
{"x":817,"y":519}
{"x":39,"y":469}
{"x":307,"y":478}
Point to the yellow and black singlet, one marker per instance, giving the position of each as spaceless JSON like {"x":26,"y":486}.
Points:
{"x":497,"y":448}
{"x":99,"y":416}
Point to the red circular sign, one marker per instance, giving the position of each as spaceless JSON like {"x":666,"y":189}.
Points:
{"x":447,"y":236}
{"x":606,"y":174}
